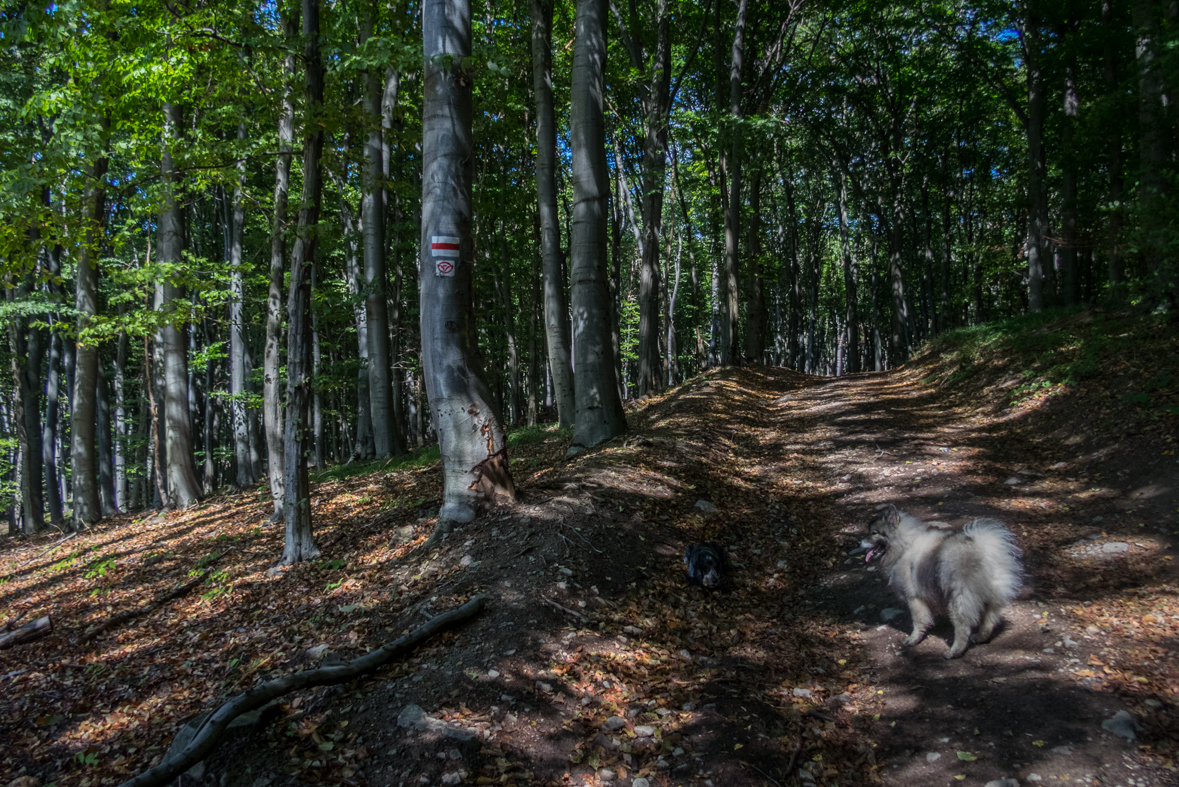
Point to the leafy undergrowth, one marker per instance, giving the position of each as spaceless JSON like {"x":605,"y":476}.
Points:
{"x":589,"y":619}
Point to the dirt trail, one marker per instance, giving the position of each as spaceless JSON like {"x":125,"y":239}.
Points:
{"x":595,"y":664}
{"x":1017,"y":703}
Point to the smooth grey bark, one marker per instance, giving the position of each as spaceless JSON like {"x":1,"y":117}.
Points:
{"x":183,"y":488}
{"x":850,"y":279}
{"x":471,"y":436}
{"x":503,"y":284}
{"x":272,"y":414}
{"x":209,"y":433}
{"x":364,"y":445}
{"x":386,"y":436}
{"x":731,"y":168}
{"x":299,"y":543}
{"x":599,"y":408}
{"x":1037,"y":176}
{"x":393,"y":219}
{"x":237,"y":332}
{"x":84,"y":413}
{"x":556,"y":312}
{"x":154,"y":358}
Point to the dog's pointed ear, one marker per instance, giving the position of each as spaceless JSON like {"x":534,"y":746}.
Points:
{"x":892,"y":516}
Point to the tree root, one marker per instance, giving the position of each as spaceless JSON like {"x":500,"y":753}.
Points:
{"x":206,"y":738}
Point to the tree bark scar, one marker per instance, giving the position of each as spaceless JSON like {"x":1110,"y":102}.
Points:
{"x":492,"y":477}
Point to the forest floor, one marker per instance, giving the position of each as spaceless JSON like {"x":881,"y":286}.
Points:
{"x":593,"y":662}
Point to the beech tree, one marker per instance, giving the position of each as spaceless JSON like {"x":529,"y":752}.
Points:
{"x":470,"y":433}
{"x":599,"y":408}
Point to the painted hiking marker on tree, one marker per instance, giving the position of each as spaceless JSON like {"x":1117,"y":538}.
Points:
{"x":447,"y":248}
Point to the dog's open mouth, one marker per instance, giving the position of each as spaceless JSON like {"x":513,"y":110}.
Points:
{"x":874,"y":550}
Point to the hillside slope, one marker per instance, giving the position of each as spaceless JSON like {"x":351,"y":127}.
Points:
{"x":594,"y":663}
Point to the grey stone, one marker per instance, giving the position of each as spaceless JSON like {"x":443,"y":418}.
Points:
{"x":804,"y":693}
{"x":888,"y":614}
{"x":606,"y":775}
{"x":451,"y":779}
{"x":640,"y":782}
{"x":644,"y":731}
{"x":1011,"y":481}
{"x":1115,"y":547}
{"x":932,"y":757}
{"x":706,"y":507}
{"x":1035,"y":777}
{"x":1123,"y":724}
{"x":1003,"y":783}
{"x":403,"y":535}
{"x":413,"y":717}
{"x":615,"y":723}
{"x":317,"y":652}
{"x":274,"y":571}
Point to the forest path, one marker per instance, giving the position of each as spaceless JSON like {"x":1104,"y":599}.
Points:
{"x":1030,"y":704}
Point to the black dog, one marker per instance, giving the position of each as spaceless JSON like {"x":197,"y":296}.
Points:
{"x":707,"y":564}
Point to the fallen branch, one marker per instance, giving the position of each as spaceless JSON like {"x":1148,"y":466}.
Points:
{"x":206,"y":737}
{"x":50,"y":549}
{"x":27,"y":633}
{"x":565,"y":609}
{"x":131,"y":614}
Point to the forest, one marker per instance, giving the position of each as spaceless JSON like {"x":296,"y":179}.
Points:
{"x":243,"y":239}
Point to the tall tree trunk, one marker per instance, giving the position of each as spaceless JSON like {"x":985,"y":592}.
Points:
{"x":471,"y":437}
{"x":755,"y":337}
{"x":657,"y":106}
{"x":556,"y":312}
{"x":1113,"y":146}
{"x":535,"y":359}
{"x":393,"y":222}
{"x":1152,"y":147}
{"x":84,"y":413}
{"x":183,"y":488}
{"x":272,"y":358}
{"x":365,"y":447}
{"x":122,"y":432}
{"x":504,"y":285}
{"x":1037,"y":176}
{"x":106,"y":457}
{"x":1070,"y":279}
{"x":386,"y":436}
{"x":599,"y":409}
{"x":299,"y":432}
{"x":25,"y":342}
{"x":237,"y":332}
{"x":209,"y":471}
{"x":850,"y":279}
{"x":154,"y":361}
{"x":51,"y":427}
{"x":316,"y":365}
{"x":731,"y":166}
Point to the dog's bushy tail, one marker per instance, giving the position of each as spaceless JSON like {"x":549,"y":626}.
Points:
{"x":1003,"y":557}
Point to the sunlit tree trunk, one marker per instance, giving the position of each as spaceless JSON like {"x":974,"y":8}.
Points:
{"x":183,"y":488}
{"x":237,"y":331}
{"x":556,"y":313}
{"x":471,"y":437}
{"x":84,"y":413}
{"x":299,"y":431}
{"x":272,"y":357}
{"x":599,"y":408}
